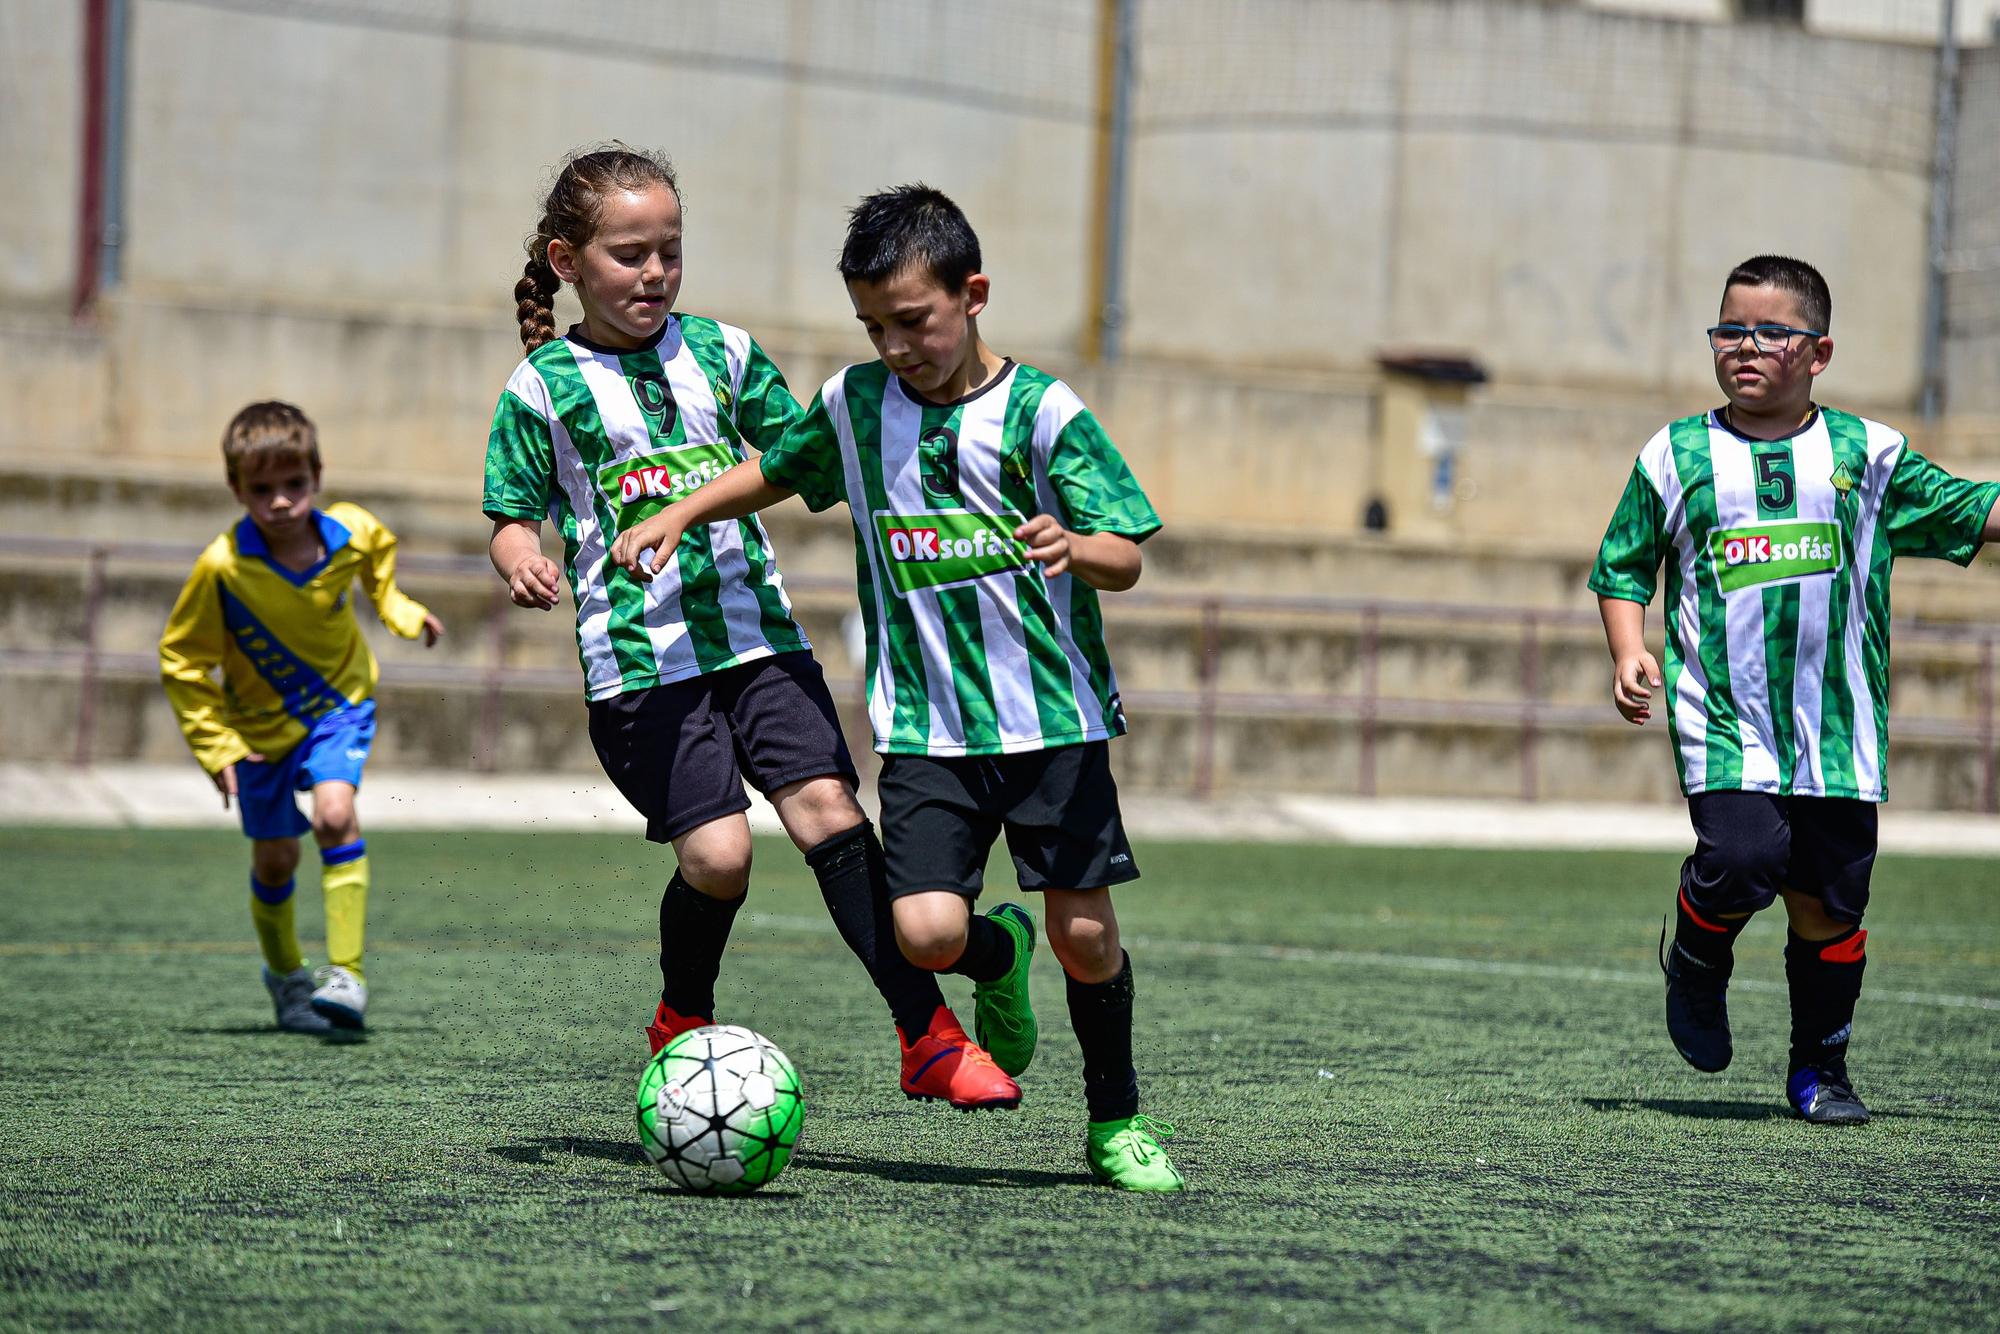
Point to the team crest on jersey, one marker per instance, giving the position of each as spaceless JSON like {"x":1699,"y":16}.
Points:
{"x":940,"y":548}
{"x":723,"y":398}
{"x":1778,"y":551}
{"x":1842,"y":479}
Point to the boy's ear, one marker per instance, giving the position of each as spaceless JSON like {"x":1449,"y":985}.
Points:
{"x":1822,"y":355}
{"x":977,"y":289}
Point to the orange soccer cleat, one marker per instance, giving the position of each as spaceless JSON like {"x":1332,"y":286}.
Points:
{"x":945,"y":1063}
{"x":669,"y":1024}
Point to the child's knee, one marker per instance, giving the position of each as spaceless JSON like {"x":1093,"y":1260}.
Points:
{"x":1087,"y":947}
{"x":718,"y":873}
{"x":1815,"y":920}
{"x":274,"y":860}
{"x":1740,"y":876}
{"x":815,"y":809}
{"x":931,"y":929}
{"x":335,"y":821}
{"x":715,"y":859}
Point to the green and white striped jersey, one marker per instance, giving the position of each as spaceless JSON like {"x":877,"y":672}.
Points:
{"x":1778,"y":555}
{"x":971,"y":651}
{"x":597,"y":439}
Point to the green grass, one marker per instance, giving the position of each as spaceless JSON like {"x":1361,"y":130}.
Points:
{"x":1448,"y":1103}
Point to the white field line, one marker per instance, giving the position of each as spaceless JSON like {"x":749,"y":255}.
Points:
{"x":1428,"y":963}
{"x":1289,"y":954}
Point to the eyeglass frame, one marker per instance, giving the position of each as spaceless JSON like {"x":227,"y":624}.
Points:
{"x":1754,"y":331}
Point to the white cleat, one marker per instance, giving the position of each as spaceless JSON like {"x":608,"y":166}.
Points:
{"x":342,"y":998}
{"x":291,"y":996}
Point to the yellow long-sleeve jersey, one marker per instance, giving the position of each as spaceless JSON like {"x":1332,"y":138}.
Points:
{"x":286,"y":640}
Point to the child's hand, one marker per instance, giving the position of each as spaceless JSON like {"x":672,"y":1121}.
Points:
{"x":433,"y":629}
{"x":659,"y":535}
{"x":1048,"y":542}
{"x":533,"y":584}
{"x":1630,"y":680}
{"x":225,"y":778}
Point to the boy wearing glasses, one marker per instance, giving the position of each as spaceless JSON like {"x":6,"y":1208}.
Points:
{"x":1777,"y":521}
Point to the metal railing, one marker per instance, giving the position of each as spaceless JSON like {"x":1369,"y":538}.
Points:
{"x":1368,"y":708}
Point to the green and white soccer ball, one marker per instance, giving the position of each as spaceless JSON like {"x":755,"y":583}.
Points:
{"x":719,"y":1110}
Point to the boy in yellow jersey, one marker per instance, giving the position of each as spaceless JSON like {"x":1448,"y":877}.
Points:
{"x":267,"y":605}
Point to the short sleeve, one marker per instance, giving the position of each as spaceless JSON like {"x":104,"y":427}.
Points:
{"x":806,"y":459}
{"x":520,"y":461}
{"x":1629,"y":558}
{"x":765,"y":408}
{"x":1928,"y":512}
{"x":1098,"y":491}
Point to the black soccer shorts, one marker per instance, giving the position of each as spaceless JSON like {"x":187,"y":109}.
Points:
{"x":1750,"y":845}
{"x":1058,"y":808}
{"x":680,"y":752}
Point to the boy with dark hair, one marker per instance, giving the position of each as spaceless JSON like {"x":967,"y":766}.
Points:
{"x":267,"y":606}
{"x":1778,"y":521}
{"x":988,"y":508}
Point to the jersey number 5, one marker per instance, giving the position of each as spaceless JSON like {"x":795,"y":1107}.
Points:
{"x":1774,"y":482}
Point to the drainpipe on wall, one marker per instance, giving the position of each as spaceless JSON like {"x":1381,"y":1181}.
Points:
{"x":1943,"y":167}
{"x":101,"y":194}
{"x":1114,"y":141}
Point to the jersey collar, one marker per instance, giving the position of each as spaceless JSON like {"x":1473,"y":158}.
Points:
{"x":1716,"y":418}
{"x":333,"y":535}
{"x":575,"y":335}
{"x":999,"y":378}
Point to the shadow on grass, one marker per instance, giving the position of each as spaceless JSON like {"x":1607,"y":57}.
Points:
{"x":1717,"y":1109}
{"x":937,"y":1174}
{"x":1728,"y":1110}
{"x":339,"y":1037}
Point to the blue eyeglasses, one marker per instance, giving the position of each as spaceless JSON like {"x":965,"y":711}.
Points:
{"x":1767,"y":337}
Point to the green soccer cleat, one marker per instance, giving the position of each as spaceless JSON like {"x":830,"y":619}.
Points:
{"x":1128,"y":1154}
{"x":1003,"y":1021}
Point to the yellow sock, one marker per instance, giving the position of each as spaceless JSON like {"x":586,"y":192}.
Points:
{"x":344,"y":883}
{"x":271,"y":913}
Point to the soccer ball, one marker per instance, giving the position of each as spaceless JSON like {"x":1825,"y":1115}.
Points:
{"x":719,"y":1110}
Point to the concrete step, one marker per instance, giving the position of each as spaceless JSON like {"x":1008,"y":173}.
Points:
{"x":1406,"y":748}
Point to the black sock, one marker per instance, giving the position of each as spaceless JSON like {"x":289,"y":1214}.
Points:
{"x":1825,"y":978}
{"x":1709,"y":940}
{"x":989,"y":951}
{"x":853,"y":880}
{"x":694,"y":929}
{"x":1101,"y":1013}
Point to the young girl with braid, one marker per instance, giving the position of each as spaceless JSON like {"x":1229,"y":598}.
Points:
{"x":699,"y":678}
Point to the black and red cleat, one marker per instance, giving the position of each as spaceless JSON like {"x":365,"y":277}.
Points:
{"x":945,"y":1064}
{"x":668,"y":1025}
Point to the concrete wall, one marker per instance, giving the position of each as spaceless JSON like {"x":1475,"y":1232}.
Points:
{"x":328,"y":205}
{"x":1972,"y":313}
{"x":1558,"y":191}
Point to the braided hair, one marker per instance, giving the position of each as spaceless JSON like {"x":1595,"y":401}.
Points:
{"x":570,"y":214}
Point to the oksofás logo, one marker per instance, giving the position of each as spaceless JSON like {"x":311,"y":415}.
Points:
{"x":942,"y":547}
{"x":1779,"y":551}
{"x":642,"y":487}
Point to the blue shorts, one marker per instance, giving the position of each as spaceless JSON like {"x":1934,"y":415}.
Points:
{"x":332,"y":751}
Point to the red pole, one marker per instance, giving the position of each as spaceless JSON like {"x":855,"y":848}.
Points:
{"x":1370,"y":653}
{"x":1208,"y":669}
{"x":90,"y":200}
{"x":86,"y":680}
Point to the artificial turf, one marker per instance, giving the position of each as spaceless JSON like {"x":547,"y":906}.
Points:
{"x":1413,"y":1089}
